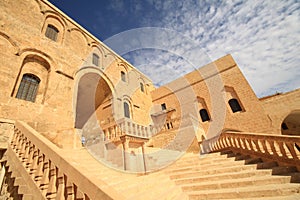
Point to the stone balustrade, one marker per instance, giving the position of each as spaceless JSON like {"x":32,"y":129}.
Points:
{"x":127,"y":127}
{"x":52,"y":174}
{"x":281,"y":148}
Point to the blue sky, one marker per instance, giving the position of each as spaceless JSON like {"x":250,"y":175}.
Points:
{"x":262,"y":36}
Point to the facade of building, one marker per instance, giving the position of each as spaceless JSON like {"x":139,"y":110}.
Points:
{"x":73,"y":89}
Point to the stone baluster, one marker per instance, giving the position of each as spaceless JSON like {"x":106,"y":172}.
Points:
{"x":79,"y":195}
{"x":19,"y":144}
{"x":60,"y":186}
{"x":249,"y":141}
{"x":291,"y":149}
{"x":273,"y":148}
{"x":146,"y":131}
{"x":45,"y":177}
{"x":26,"y":153}
{"x":282,"y":150}
{"x":51,"y":191}
{"x":22,"y":149}
{"x":264,"y":144}
{"x":115,"y":131}
{"x":255,"y":141}
{"x":70,"y":191}
{"x":30,"y":157}
{"x":38,"y":170}
{"x":242,"y":143}
{"x":33,"y":162}
{"x":14,"y":138}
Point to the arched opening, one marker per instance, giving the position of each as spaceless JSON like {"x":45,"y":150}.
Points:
{"x":291,"y":124}
{"x":94,"y":97}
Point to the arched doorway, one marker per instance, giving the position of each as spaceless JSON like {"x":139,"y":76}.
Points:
{"x":94,"y":96}
{"x":291,"y":124}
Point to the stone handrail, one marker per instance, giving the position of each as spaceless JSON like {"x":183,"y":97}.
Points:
{"x":52,"y":174}
{"x":281,"y":148}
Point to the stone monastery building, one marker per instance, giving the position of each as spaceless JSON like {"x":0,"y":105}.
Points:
{"x":78,"y":121}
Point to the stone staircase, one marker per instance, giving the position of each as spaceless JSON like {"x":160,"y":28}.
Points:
{"x":41,"y":170}
{"x":234,"y":176}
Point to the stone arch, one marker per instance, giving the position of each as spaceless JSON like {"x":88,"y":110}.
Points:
{"x":77,"y":41}
{"x":84,"y":35}
{"x":290,"y":125}
{"x":39,"y":66}
{"x":92,"y":91}
{"x":27,"y":51}
{"x":56,"y":15}
{"x":99,"y":51}
{"x":39,"y":5}
{"x":10,"y":40}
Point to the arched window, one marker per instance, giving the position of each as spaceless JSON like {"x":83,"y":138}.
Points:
{"x":51,"y":32}
{"x":142,"y":87}
{"x":163,"y":106}
{"x":123,"y":76}
{"x":126,"y":110}
{"x":234,"y":105}
{"x":28,"y":87}
{"x":204,"y":115}
{"x":95,"y":59}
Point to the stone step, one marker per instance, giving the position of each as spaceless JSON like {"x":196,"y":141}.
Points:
{"x":19,"y":181}
{"x":142,"y":183}
{"x":229,"y":176}
{"x":236,"y":183}
{"x":247,"y":192}
{"x":196,"y":158}
{"x":158,"y":191}
{"x":281,"y":197}
{"x":27,"y":197}
{"x":220,"y":170}
{"x":203,"y":167}
{"x":23,"y":189}
{"x":202,"y":161}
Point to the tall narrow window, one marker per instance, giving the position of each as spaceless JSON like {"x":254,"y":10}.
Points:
{"x":234,"y":105}
{"x":51,"y":32}
{"x":28,"y":87}
{"x":142,"y":87}
{"x":126,"y":110}
{"x":123,"y":76}
{"x":163,"y":106}
{"x":204,"y":115}
{"x":95,"y":59}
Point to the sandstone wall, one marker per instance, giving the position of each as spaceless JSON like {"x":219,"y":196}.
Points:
{"x":280,"y":106}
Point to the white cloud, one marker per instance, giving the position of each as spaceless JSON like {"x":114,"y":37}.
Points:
{"x":262,"y":36}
